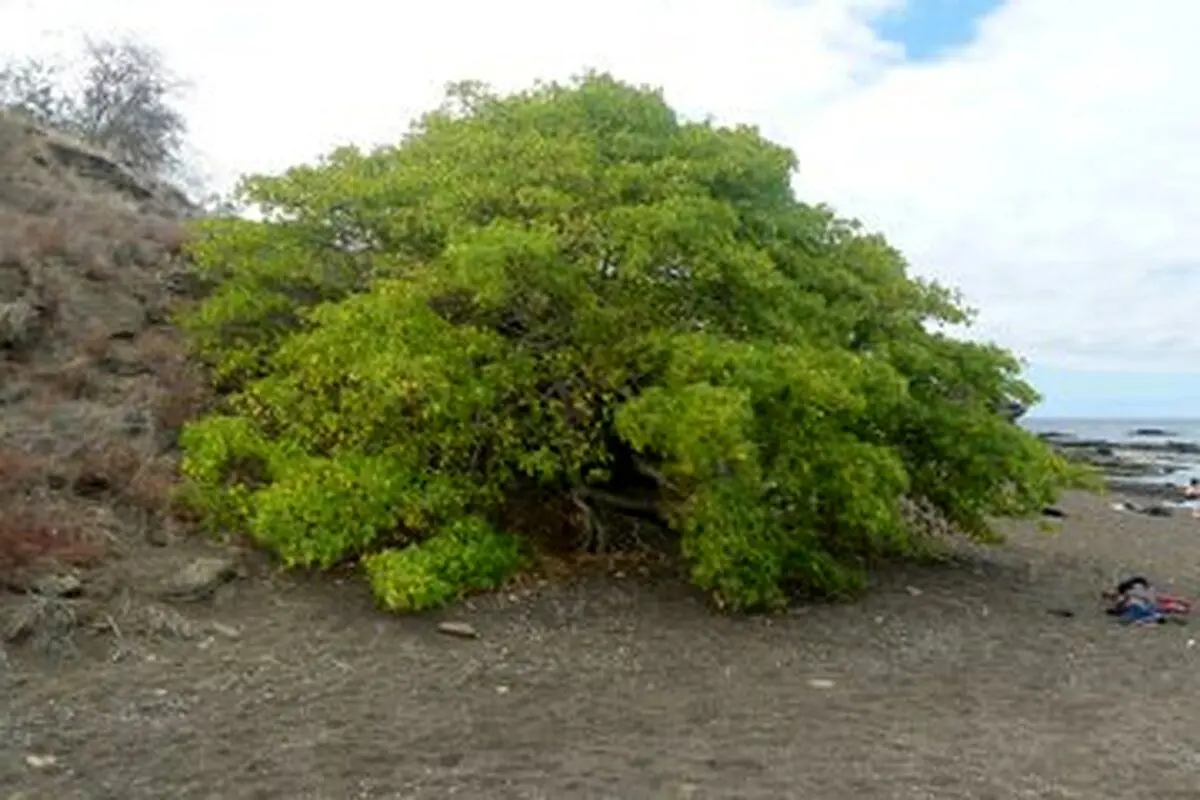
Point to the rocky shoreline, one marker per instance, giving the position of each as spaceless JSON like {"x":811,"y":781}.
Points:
{"x":1150,"y":464}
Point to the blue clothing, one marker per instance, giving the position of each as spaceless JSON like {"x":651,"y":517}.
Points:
{"x":1140,"y":609}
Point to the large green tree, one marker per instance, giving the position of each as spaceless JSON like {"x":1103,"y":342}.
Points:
{"x":566,"y":312}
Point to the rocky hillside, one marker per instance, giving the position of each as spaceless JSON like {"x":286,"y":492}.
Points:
{"x":93,"y":381}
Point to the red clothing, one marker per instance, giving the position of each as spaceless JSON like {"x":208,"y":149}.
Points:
{"x":1170,"y":604}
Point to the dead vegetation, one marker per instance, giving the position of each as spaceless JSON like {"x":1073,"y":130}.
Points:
{"x":31,"y":538}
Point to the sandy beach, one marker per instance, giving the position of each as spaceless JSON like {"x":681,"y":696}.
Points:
{"x":965,"y":680}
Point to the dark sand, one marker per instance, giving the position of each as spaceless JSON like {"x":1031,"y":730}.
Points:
{"x":947,"y":682}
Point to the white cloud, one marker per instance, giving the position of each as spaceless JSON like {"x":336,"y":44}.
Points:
{"x":1051,"y":169}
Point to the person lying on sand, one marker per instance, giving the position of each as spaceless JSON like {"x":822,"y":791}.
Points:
{"x":1137,"y":602}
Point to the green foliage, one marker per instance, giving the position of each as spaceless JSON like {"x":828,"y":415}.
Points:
{"x":464,"y":556}
{"x":570,"y":291}
{"x":328,"y":509}
{"x":227,"y":460}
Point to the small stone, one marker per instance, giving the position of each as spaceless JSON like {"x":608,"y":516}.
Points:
{"x":18,"y":323}
{"x":501,"y":689}
{"x":158,"y":535}
{"x":13,"y":393}
{"x":460,"y":629}
{"x":228,"y":631}
{"x":60,"y":584}
{"x":135,"y":422}
{"x":40,"y":762}
{"x":821,"y":683}
{"x":199,"y":579}
{"x":914,"y":591}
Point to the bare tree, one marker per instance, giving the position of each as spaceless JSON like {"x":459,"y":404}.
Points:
{"x":33,"y":87}
{"x":126,"y":105}
{"x":123,"y":102}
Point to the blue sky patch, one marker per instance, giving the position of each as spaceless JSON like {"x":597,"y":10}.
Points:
{"x":1129,"y":395}
{"x":929,"y":29}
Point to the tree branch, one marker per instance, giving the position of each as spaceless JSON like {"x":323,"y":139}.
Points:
{"x":628,"y":505}
{"x":654,"y":474}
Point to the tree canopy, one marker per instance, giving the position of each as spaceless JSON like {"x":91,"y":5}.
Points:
{"x":566,"y":312}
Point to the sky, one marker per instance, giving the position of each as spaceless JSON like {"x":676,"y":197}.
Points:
{"x":1040,"y":155}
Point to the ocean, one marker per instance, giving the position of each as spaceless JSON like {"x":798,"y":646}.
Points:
{"x":1178,"y":468}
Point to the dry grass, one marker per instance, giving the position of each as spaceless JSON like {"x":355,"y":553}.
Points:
{"x":95,"y":344}
{"x":152,"y":488}
{"x":73,"y":380}
{"x":42,"y":523}
{"x":32,"y":536}
{"x":92,"y":236}
{"x":161,"y":349}
{"x":34,"y":531}
{"x":21,"y":470}
{"x":125,"y":475}
{"x":105,"y":467}
{"x":29,"y":239}
{"x":184,"y":396}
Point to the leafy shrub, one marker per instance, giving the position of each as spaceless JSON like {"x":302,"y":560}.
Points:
{"x":570,"y":291}
{"x":330,"y":509}
{"x":228,"y":459}
{"x":464,"y":556}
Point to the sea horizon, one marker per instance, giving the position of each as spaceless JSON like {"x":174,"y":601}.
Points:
{"x":1118,"y":429}
{"x":1033,"y":416}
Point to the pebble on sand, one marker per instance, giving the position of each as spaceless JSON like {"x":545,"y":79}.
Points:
{"x":460,"y":629}
{"x":200,"y":578}
{"x":59,"y":584}
{"x":228,"y":631}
